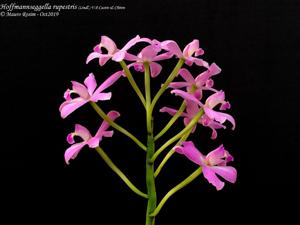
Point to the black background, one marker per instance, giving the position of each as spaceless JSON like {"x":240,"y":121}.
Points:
{"x":256,"y":43}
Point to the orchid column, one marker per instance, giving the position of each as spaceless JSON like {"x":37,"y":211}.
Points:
{"x":193,"y":110}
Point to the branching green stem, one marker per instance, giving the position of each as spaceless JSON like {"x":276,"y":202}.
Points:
{"x":119,"y":172}
{"x":132,"y":82}
{"x":179,"y":135}
{"x":116,"y":126}
{"x":166,"y":84}
{"x":170,"y":153}
{"x":185,"y":182}
{"x":171,"y":122}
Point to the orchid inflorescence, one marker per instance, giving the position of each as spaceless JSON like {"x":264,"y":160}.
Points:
{"x":195,"y":110}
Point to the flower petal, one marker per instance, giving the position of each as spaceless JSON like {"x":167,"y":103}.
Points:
{"x":73,"y":151}
{"x":172,"y":47}
{"x":119,"y":56}
{"x":90,"y":83}
{"x":109,"y":44}
{"x":186,"y":96}
{"x":103,"y":58}
{"x":214,"y":133}
{"x":191,"y":48}
{"x":192,"y":108}
{"x":147,"y":53}
{"x":209,"y":83}
{"x":155,"y":69}
{"x":139,"y":67}
{"x":171,"y":111}
{"x":112,"y":115}
{"x":102,"y":131}
{"x":132,"y":42}
{"x":216,"y":156}
{"x":214,"y":69}
{"x":67,"y":95}
{"x":191,"y":152}
{"x":199,"y":51}
{"x":199,"y":62}
{"x":92,"y":56}
{"x":215,"y":99}
{"x":189,"y":61}
{"x":80,"y":89}
{"x":94,"y":141}
{"x":229,"y":173}
{"x":68,"y":107}
{"x":97,"y":48}
{"x":198,"y":93}
{"x":225,"y":105}
{"x":70,"y":138}
{"x":228,"y":157}
{"x":101,"y":97}
{"x":207,"y":122}
{"x":163,"y":56}
{"x":147,"y":40}
{"x":178,"y":84}
{"x":109,"y":81}
{"x":131,"y":57}
{"x":156,"y":44}
{"x":210,"y":175}
{"x":108,"y":133}
{"x":186,"y":75}
{"x":219,"y":116}
{"x":82,"y":132}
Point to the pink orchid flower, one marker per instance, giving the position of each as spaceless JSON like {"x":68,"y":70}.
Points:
{"x":87,"y":139}
{"x":188,"y":53}
{"x":213,"y":164}
{"x":148,"y":54}
{"x":112,"y":51}
{"x":201,"y":82}
{"x":191,"y":110}
{"x":86,"y":93}
{"x":210,"y":103}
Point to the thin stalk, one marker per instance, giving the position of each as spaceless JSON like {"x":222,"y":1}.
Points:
{"x":179,"y":135}
{"x":148,"y":97}
{"x":168,"y":81}
{"x":185,"y":182}
{"x":163,"y":162}
{"x":171,"y":122}
{"x":170,"y":153}
{"x":133,"y":83}
{"x":119,"y":172}
{"x":116,"y":126}
{"x":150,"y":180}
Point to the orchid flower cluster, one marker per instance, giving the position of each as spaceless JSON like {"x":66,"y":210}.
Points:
{"x":195,"y":111}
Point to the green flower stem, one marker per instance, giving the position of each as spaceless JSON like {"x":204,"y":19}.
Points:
{"x":150,"y":180}
{"x":185,"y":182}
{"x":116,"y":126}
{"x":171,"y":122}
{"x":166,"y":84}
{"x":179,"y":135}
{"x":119,"y":172}
{"x":148,"y":97}
{"x":163,"y":162}
{"x":132,"y":82}
{"x":170,"y":153}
